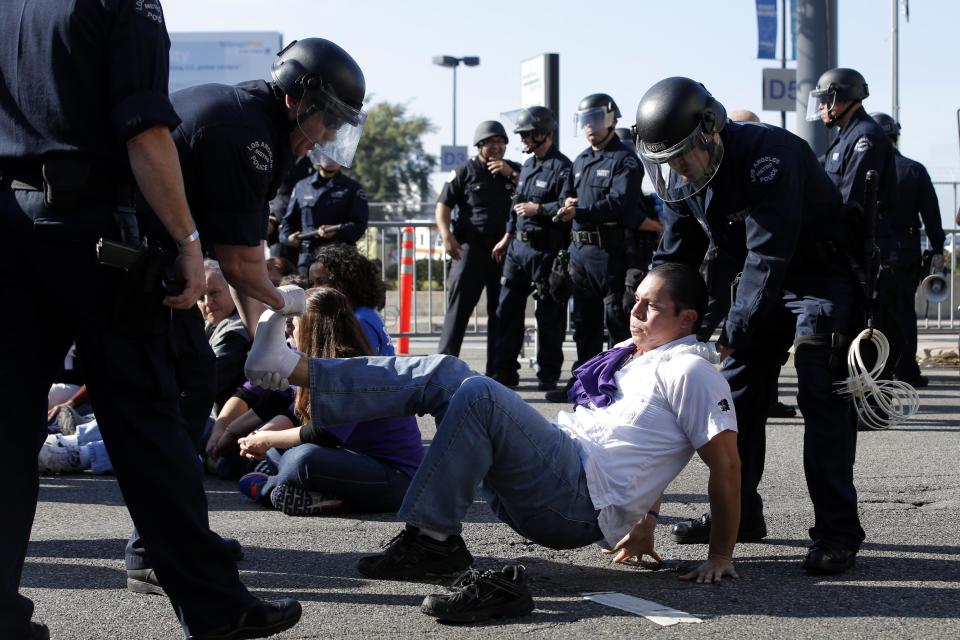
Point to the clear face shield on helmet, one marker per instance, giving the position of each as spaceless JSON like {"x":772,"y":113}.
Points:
{"x":684,"y":169}
{"x":593,"y":120}
{"x":333,"y":126}
{"x":319,"y":159}
{"x":827,"y":97}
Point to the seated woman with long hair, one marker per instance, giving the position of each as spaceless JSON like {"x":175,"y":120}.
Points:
{"x":361,"y":466}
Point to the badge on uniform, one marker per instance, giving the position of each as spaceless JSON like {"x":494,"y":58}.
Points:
{"x":541,"y":184}
{"x":765,"y":169}
{"x":149,"y":9}
{"x":603,"y":173}
{"x":261,"y":155}
{"x":863,"y":144}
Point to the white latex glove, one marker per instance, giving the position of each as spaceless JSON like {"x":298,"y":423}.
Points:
{"x":294,"y":300}
{"x":270,"y":361}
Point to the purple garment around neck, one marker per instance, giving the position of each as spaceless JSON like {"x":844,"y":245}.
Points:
{"x":595,"y":382}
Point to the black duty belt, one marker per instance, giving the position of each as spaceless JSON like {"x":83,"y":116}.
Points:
{"x":604,"y":238}
{"x":542,"y":239}
{"x":78,"y":190}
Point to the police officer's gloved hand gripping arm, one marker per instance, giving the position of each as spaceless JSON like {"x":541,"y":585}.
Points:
{"x":156,"y":168}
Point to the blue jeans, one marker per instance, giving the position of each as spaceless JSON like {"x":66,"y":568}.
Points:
{"x":365,"y":483}
{"x":531,"y":470}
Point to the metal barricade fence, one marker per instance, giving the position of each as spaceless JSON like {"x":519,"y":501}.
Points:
{"x":383,"y":240}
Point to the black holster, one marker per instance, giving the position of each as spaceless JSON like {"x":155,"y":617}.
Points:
{"x":559,"y":284}
{"x":138,"y":310}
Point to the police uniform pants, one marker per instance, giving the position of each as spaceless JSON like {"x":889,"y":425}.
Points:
{"x":468,"y":276}
{"x":597,"y":276}
{"x":906,"y":278}
{"x":197,"y":379}
{"x":55,"y":294}
{"x":523,"y":267}
{"x":808,"y":313}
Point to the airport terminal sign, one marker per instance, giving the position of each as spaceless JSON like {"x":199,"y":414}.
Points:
{"x":779,"y":89}
{"x":223,"y":57}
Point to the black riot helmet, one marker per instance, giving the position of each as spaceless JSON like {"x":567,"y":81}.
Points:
{"x":626,"y":136}
{"x":488,"y":129}
{"x":329,"y":87}
{"x":676,"y":136}
{"x":598,"y":111}
{"x":833,"y":85}
{"x":539,"y":119}
{"x":890,"y":126}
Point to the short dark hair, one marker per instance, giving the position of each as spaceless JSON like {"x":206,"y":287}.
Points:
{"x":685,"y":286}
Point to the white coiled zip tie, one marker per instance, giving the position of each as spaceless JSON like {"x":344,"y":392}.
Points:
{"x":880,"y":404}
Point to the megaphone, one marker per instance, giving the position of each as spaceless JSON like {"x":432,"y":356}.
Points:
{"x":935,"y":288}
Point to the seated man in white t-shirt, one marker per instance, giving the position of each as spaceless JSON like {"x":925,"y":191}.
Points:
{"x":595,"y":475}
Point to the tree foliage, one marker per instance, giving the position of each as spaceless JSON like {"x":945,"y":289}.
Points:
{"x":390,"y":162}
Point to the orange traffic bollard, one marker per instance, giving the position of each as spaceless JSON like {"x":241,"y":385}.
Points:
{"x":406,"y":288}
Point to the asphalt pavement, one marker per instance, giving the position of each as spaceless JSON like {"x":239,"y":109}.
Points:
{"x":906,"y":584}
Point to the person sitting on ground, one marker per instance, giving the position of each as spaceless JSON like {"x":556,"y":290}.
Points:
{"x":342,"y":267}
{"x":596,"y":474}
{"x":225,"y":332}
{"x":360,"y":466}
{"x":279,"y":268}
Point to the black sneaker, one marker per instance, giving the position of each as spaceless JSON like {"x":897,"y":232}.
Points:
{"x":825,"y":558}
{"x":412,"y":555}
{"x":779,"y":410}
{"x":477,"y":596}
{"x":511,"y":380}
{"x":262,"y":619}
{"x":547,"y":385}
{"x":560,"y":394}
{"x":698,"y":531}
{"x":144,"y":581}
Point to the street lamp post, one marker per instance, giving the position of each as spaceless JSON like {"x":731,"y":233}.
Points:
{"x":453,"y":62}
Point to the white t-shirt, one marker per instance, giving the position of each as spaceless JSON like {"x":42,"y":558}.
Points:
{"x":670,"y":402}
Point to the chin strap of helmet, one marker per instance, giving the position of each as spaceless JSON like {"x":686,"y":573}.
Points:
{"x":534,"y":148}
{"x":832,"y":122}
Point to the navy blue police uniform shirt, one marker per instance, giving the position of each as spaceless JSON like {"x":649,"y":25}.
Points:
{"x":771,"y":185}
{"x":541,"y":181}
{"x":606,"y":184}
{"x":483,"y":200}
{"x":860,"y":146}
{"x":316,"y":201}
{"x":916,"y":195}
{"x":63,"y":92}
{"x":234,"y":149}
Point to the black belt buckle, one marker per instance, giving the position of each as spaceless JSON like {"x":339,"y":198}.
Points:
{"x":588,"y":237}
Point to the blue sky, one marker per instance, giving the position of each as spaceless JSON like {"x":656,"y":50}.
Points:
{"x":620,"y":49}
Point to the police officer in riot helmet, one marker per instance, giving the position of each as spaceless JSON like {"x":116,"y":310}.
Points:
{"x":238,"y":142}
{"x":600,"y":198}
{"x":859,"y":147}
{"x":914,"y":194}
{"x":796,"y":286}
{"x":481,"y":191}
{"x":535,"y":242}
